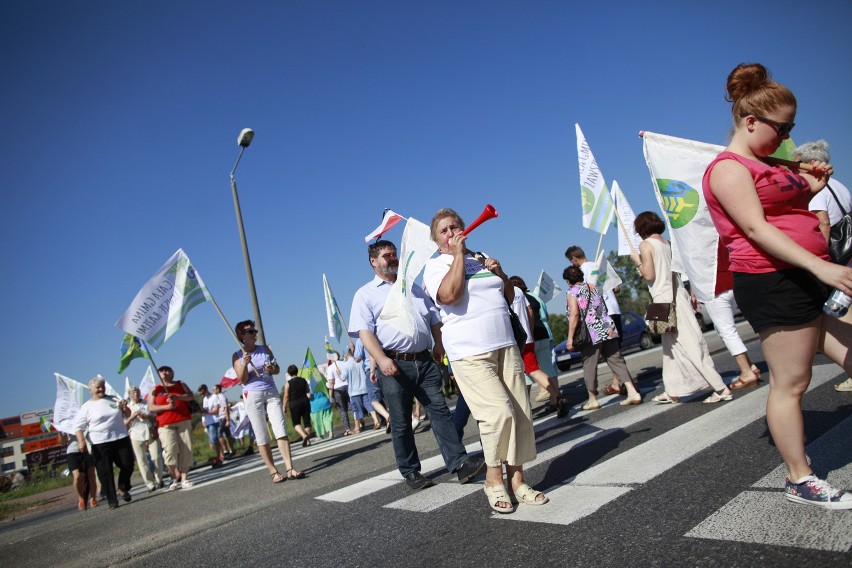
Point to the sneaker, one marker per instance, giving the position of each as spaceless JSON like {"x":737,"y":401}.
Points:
{"x":188,"y":484}
{"x":470,"y":469}
{"x":812,"y":490}
{"x":417,"y":482}
{"x":174,"y":486}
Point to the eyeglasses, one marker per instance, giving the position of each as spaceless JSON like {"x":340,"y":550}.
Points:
{"x":781,"y":128}
{"x":249,"y":332}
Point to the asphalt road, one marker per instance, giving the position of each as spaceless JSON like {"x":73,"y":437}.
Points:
{"x":649,"y":485}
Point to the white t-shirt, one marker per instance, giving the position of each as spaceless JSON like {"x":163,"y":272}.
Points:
{"x":479,"y":322}
{"x":824,"y":201}
{"x":519,"y":306}
{"x":103,"y":419}
{"x":210,"y":402}
{"x":223,"y":406}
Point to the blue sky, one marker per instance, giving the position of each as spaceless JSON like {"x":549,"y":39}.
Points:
{"x":120,"y":124}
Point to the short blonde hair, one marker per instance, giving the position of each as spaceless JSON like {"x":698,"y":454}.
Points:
{"x":443,"y":214}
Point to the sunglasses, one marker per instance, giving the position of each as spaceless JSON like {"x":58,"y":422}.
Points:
{"x":249,"y":332}
{"x":781,"y":128}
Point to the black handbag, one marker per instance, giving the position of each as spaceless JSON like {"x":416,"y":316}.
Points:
{"x":517,"y":329}
{"x":840,"y":237}
{"x":581,"y":338}
{"x":661,"y":317}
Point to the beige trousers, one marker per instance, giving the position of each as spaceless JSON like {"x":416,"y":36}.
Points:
{"x":494,"y":388}
{"x":177,"y":444}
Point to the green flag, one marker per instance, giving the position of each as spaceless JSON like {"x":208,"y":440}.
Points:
{"x":131,"y":348}
{"x":310,"y":372}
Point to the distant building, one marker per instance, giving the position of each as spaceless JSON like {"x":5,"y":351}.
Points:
{"x":12,"y":456}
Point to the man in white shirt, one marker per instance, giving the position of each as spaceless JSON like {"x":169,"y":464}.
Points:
{"x":406,"y":370}
{"x":210,"y":419}
{"x":224,"y":421}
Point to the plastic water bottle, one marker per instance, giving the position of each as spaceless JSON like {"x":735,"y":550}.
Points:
{"x":837,"y":304}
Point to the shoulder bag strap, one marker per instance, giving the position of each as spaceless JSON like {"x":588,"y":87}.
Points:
{"x":834,"y":195}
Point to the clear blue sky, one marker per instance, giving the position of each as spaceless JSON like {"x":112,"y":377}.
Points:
{"x":120,"y":123}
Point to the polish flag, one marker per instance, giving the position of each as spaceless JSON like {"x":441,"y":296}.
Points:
{"x":389,"y":220}
{"x":230,"y":379}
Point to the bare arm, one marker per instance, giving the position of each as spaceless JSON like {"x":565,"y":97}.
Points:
{"x":451,"y":290}
{"x":573,"y":321}
{"x":438,"y":349}
{"x":733,"y":186}
{"x":824,"y":223}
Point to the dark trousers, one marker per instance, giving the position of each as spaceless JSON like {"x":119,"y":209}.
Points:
{"x":419,"y":379}
{"x":341,"y":398}
{"x":119,"y":453}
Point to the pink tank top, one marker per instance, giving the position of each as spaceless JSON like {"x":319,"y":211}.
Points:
{"x":784,"y":196}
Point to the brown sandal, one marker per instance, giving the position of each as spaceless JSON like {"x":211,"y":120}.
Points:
{"x":609,"y":390}
{"x":297,"y":475}
{"x":277,"y":477}
{"x":741,"y":384}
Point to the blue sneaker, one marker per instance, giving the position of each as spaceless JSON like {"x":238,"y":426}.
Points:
{"x":812,"y":490}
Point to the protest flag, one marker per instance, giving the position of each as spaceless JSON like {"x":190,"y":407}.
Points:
{"x":229,"y":379}
{"x":417,"y":247}
{"x":677,"y":168}
{"x":546,"y":287}
{"x":70,"y":396}
{"x":147,"y":384}
{"x":127,"y":387}
{"x":597,"y":203}
{"x":131,"y":348}
{"x":628,"y":238}
{"x":608,"y":278}
{"x":310,"y":371}
{"x":333,"y":315}
{"x":389,"y":219}
{"x":161,"y":306}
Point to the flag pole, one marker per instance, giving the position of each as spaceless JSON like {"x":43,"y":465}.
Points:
{"x":600,"y":242}
{"x":231,"y":331}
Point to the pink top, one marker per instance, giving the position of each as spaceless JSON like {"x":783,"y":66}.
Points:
{"x":784,"y":196}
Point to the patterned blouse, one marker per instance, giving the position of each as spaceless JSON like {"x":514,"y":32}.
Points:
{"x":593,"y":311}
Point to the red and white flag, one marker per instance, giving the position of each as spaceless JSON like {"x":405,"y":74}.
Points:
{"x":389,"y":220}
{"x":230,"y":379}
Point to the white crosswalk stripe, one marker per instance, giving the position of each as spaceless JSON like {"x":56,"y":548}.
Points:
{"x":758,"y":515}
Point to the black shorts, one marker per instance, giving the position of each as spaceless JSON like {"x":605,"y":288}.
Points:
{"x":75,"y":459}
{"x":787,"y":297}
{"x":300,"y":412}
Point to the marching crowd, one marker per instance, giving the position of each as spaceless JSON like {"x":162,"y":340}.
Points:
{"x":773,"y":261}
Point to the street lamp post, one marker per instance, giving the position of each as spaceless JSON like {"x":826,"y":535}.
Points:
{"x":244,"y":139}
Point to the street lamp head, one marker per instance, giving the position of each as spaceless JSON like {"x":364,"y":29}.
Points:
{"x":244,"y":139}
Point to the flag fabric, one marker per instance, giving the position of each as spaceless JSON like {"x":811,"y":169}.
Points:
{"x":608,"y":278}
{"x":332,"y":312}
{"x":70,"y":396}
{"x":677,"y":168}
{"x":311,"y":372}
{"x":109,"y":390}
{"x":131,"y":348}
{"x":598,"y":208}
{"x":546,"y":287}
{"x":147,"y":384}
{"x":417,"y":247}
{"x":127,"y":388}
{"x":626,"y":233}
{"x":161,"y":306}
{"x":229,"y":379}
{"x":389,"y":219}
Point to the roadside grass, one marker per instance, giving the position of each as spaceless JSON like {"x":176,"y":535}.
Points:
{"x":41,"y":479}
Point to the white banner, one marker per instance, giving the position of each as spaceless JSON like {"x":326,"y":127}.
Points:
{"x":417,"y":247}
{"x":546,"y":287}
{"x":608,"y":278}
{"x":597,"y":204}
{"x":627,"y":235}
{"x":677,"y":168}
{"x":70,"y":396}
{"x":332,"y":312}
{"x":147,"y":384}
{"x":161,"y":306}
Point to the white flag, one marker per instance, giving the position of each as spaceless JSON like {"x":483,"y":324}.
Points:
{"x":546,"y":287}
{"x":147,"y":384}
{"x":161,"y":306}
{"x":70,"y":396}
{"x":598,"y":208}
{"x":627,"y":216}
{"x":677,"y":168}
{"x":417,"y":247}
{"x":332,"y":312}
{"x":127,"y":388}
{"x":608,"y":278}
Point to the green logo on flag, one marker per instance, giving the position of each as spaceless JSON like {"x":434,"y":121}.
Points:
{"x":680,"y":201}
{"x":588,"y":197}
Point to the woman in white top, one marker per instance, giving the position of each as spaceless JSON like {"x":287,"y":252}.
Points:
{"x":473,"y":294}
{"x":687,"y":366}
{"x":103,"y":417}
{"x":255,"y":365}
